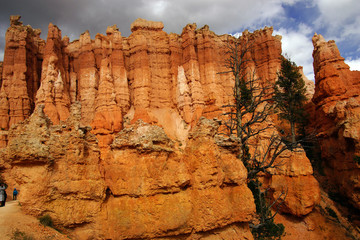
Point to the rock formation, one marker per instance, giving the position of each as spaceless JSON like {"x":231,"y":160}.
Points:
{"x":337,"y":117}
{"x":146,"y":186}
{"x":120,"y":143}
{"x":21,"y":72}
{"x":1,"y":71}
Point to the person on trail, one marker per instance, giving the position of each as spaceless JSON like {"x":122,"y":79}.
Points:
{"x":15,"y":193}
{"x":2,"y":195}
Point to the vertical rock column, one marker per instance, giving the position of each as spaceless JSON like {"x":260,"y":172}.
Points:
{"x":265,"y":52}
{"x":54,"y":89}
{"x":192,"y":72}
{"x":149,"y":68}
{"x":121,"y":86}
{"x":139,"y":75}
{"x":337,"y":118}
{"x":1,"y":71}
{"x":211,"y":57}
{"x":88,"y":78}
{"x":207,"y":62}
{"x":175,"y":62}
{"x":4,"y":107}
{"x":112,"y":97}
{"x":21,"y":72}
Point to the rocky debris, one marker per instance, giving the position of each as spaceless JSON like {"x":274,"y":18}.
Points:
{"x":143,"y":137}
{"x":56,"y":167}
{"x":28,"y":141}
{"x":336,"y":118}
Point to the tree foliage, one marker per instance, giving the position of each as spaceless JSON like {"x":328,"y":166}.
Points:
{"x":289,"y":95}
{"x":267,"y":228}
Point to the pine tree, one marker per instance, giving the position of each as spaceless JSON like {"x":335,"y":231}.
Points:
{"x":290,"y":96}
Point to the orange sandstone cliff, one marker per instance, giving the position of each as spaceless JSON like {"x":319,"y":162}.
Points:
{"x":21,"y":72}
{"x":337,"y":118}
{"x":116,"y":137}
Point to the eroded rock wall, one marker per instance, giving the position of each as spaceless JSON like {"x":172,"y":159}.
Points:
{"x":1,"y":71}
{"x":146,"y":187}
{"x":120,"y":144}
{"x":337,"y":117}
{"x":21,"y":72}
{"x":150,"y":75}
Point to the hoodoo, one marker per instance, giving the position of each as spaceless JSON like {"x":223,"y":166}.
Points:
{"x":118,"y":137}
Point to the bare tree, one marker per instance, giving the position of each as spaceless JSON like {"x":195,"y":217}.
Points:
{"x":252,"y":97}
{"x":248,"y":118}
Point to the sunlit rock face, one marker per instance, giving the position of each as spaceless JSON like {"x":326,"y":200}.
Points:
{"x":123,"y":140}
{"x":337,"y":117}
{"x":150,"y":75}
{"x":20,"y":72}
{"x":145,"y":187}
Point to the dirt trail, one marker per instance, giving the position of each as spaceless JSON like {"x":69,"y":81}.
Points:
{"x":13,"y":219}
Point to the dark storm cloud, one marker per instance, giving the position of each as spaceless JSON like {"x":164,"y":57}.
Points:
{"x":74,"y":17}
{"x":332,"y":18}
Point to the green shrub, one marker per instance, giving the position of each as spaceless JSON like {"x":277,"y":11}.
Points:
{"x":269,"y":231}
{"x":18,"y":235}
{"x":357,"y":159}
{"x":46,"y":220}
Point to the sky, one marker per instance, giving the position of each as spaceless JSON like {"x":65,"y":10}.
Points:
{"x":295,"y":20}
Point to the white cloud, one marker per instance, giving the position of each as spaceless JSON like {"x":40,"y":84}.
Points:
{"x":222,"y":16}
{"x":298,"y":46}
{"x":2,"y":43}
{"x":73,"y":18}
{"x":339,"y":18}
{"x":354,"y":64}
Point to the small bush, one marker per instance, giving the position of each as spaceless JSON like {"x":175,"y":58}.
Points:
{"x":356,"y":159}
{"x":18,"y":235}
{"x":46,"y":220}
{"x":269,"y":231}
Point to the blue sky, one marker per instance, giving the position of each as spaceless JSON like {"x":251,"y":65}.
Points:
{"x":295,"y":20}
